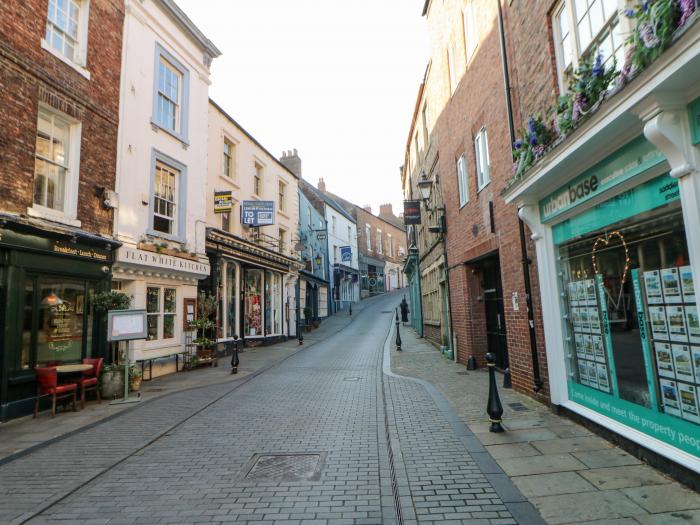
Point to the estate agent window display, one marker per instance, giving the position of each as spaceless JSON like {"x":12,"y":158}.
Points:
{"x":632,"y":335}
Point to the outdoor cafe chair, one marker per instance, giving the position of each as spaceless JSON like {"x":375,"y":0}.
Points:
{"x":47,"y":385}
{"x":90,"y":378}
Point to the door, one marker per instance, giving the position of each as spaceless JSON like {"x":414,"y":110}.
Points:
{"x":495,"y":320}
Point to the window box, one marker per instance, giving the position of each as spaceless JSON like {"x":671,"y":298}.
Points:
{"x":157,"y":248}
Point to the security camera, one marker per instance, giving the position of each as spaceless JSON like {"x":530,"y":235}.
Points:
{"x":105,"y":270}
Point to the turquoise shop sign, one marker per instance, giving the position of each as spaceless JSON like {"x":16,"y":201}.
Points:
{"x":676,"y":432}
{"x":631,"y":160}
{"x":652,"y":194}
{"x":694,"y":115}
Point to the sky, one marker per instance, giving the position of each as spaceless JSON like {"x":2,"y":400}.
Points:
{"x":335,"y":79}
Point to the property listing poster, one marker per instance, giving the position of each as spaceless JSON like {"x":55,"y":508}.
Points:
{"x":585,"y":322}
{"x":674,"y":326}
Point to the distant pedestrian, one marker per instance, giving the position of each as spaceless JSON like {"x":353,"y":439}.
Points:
{"x":404,"y":310}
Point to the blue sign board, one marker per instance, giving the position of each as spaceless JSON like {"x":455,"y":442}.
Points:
{"x":346,"y":254}
{"x":258,"y":213}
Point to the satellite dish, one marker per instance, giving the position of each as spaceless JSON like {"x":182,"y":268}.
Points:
{"x":299,"y":247}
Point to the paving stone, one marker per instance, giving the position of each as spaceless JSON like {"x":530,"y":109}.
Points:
{"x":573,"y":444}
{"x":540,"y":464}
{"x":512,"y":450}
{"x":663,"y":498}
{"x":681,"y":517}
{"x":606,"y":458}
{"x":516,"y":436}
{"x":552,"y":484}
{"x":587,"y":506}
{"x":623,"y":477}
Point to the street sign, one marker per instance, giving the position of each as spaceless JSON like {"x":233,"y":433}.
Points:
{"x":346,"y":254}
{"x":258,"y":213}
{"x":223,"y":201}
{"x":321,"y":236}
{"x":411,"y":212}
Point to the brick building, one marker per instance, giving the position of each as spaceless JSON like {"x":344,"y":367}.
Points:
{"x":60,"y":66}
{"x":487,"y":290}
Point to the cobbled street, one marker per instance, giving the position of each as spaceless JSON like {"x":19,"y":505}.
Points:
{"x":325,"y":436}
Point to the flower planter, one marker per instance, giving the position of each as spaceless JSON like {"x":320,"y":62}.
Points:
{"x":135,"y":383}
{"x":112,"y":384}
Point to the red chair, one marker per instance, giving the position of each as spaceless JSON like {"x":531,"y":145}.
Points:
{"x":47,"y":385}
{"x":90,"y":378}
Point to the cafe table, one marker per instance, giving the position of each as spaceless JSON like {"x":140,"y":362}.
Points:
{"x":72,"y":369}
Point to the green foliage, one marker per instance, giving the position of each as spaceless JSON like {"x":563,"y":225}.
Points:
{"x":112,"y":300}
{"x":308,"y":313}
{"x":655,"y":23}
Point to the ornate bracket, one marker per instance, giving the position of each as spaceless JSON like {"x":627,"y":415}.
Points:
{"x":530,"y":214}
{"x":668,"y":130}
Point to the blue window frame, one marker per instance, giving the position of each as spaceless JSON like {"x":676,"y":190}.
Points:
{"x":170,"y":95}
{"x":167,"y":201}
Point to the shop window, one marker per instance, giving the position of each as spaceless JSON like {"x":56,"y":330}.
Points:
{"x":230,"y":303}
{"x":273,"y":303}
{"x":160,"y":312}
{"x":170,"y":96}
{"x":56,"y":164}
{"x":253,"y":303}
{"x":56,"y":321}
{"x":66,"y":30}
{"x":631,"y":318}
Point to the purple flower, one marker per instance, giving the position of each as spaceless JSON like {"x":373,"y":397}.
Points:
{"x":538,"y":151}
{"x":630,"y":13}
{"x":579,"y":106}
{"x":648,"y":36}
{"x":518,"y":144}
{"x":645,"y":5}
{"x":531,"y":126}
{"x":597,"y":70}
{"x":532,"y":139}
{"x":627,"y":67}
{"x":687,"y":8}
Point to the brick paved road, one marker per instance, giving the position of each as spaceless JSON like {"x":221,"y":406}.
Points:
{"x":384,"y":447}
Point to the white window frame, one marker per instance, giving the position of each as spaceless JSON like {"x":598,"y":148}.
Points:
{"x":282,"y":240}
{"x":390,"y":247}
{"x":72,"y":178}
{"x":462,"y":180}
{"x":282,"y":195}
{"x":179,"y":226}
{"x":258,"y":179}
{"x":471,"y":31}
{"x":451,"y":69}
{"x":161,"y":313}
{"x":380,"y":248}
{"x":368,"y":234}
{"x":481,"y":150}
{"x":228,"y":161}
{"x":180,"y":131}
{"x":349,"y":233}
{"x":79,"y":59}
{"x":308,"y":216}
{"x":615,"y":20}
{"x":424,"y":121}
{"x":334,"y":222}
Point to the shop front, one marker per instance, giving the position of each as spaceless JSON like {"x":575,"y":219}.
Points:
{"x":345,"y":286}
{"x":412,"y":270}
{"x":372,"y":275}
{"x":617,"y":248}
{"x":254,"y":288}
{"x":313,"y":294}
{"x":48,"y":277}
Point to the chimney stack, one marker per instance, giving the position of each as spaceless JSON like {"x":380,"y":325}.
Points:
{"x":386,"y":210}
{"x":291,"y":161}
{"x":367,"y":208}
{"x":321,"y":185}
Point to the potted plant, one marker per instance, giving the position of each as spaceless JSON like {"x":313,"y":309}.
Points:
{"x":135,"y":378}
{"x":205,"y":328}
{"x":112,"y":377}
{"x":308,"y":314}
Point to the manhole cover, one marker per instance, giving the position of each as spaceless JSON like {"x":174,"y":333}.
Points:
{"x":285,"y":467}
{"x":518,"y":407}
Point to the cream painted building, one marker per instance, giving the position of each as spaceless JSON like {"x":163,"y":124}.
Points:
{"x":161,"y":168}
{"x":254,"y":268}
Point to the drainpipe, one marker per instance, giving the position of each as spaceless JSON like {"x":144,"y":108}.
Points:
{"x":526,"y":261}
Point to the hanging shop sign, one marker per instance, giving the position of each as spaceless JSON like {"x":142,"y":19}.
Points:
{"x":223,"y":201}
{"x":346,"y":254}
{"x":411,"y":212}
{"x":258,"y":213}
{"x":635,"y":158}
{"x":321,"y":236}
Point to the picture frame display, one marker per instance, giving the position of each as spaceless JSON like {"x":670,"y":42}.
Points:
{"x":652,"y":285}
{"x":692,"y":323}
{"x":688,"y":396}
{"x":676,"y":323}
{"x":682,"y":363}
{"x":671,"y":285}
{"x":657,"y":318}
{"x":687,"y":284}
{"x":664,"y":360}
{"x":669,"y":395}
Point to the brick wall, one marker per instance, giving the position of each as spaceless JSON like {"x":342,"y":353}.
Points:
{"x":30,"y":75}
{"x":479,"y":101}
{"x":398,"y":237}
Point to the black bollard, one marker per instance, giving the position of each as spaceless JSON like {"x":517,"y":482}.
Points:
{"x":350,"y":309}
{"x":494,"y":408}
{"x":398,"y":335}
{"x":234,"y":357}
{"x":507,"y":381}
{"x":300,"y":335}
{"x":471,"y":363}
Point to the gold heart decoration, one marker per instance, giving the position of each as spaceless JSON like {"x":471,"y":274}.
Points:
{"x":606,"y":241}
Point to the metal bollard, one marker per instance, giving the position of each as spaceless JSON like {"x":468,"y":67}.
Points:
{"x":234,"y":357}
{"x":300,"y":335}
{"x":350,"y":309}
{"x":494,"y":408}
{"x":398,"y":335}
{"x":507,"y":379}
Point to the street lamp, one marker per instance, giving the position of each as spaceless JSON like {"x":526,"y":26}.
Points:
{"x":318,"y":260}
{"x":425,"y":186}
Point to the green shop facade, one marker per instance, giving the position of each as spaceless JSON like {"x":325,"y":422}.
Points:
{"x":48,"y":275}
{"x":615,"y":213}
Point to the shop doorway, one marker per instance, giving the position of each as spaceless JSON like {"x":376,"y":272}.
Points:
{"x":495,"y":319}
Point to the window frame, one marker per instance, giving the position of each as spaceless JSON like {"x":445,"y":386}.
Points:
{"x":69,"y":212}
{"x":471,"y":43}
{"x":161,"y":313}
{"x":79,"y":59}
{"x":462,"y":180}
{"x":180,"y":134}
{"x":451,"y":68}
{"x":368,"y":234}
{"x":258,"y":179}
{"x":483,"y":176}
{"x":389,"y":245}
{"x":282,"y":195}
{"x":380,"y":248}
{"x":229,"y":160}
{"x":181,"y":194}
{"x":282,"y":239}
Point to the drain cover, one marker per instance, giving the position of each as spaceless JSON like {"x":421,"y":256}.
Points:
{"x":285,"y":467}
{"x":518,"y":407}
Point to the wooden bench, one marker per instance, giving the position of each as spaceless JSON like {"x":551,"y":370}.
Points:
{"x":150,"y":360}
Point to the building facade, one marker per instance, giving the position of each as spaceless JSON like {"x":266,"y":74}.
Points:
{"x":59,"y":117}
{"x":254,"y":263}
{"x":162,"y":152}
{"x":611,"y":199}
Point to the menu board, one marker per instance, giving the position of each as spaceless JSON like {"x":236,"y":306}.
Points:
{"x":589,"y":344}
{"x":675,"y":330}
